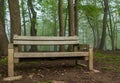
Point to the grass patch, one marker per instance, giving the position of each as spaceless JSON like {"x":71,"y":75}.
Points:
{"x":107,"y":68}
{"x":107,"y":58}
{"x":111,"y":62}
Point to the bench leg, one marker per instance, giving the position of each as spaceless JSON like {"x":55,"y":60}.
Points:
{"x":90,"y":62}
{"x":76,"y":62}
{"x":10,"y":61}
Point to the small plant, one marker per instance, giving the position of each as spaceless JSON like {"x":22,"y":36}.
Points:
{"x":3,"y":61}
{"x":43,"y":82}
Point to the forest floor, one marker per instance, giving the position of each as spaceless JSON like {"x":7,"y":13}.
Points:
{"x":108,"y":63}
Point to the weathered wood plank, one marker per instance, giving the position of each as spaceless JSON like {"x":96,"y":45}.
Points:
{"x":50,"y":38}
{"x":45,"y":42}
{"x":10,"y":61}
{"x":49,"y":54}
{"x":12,"y":78}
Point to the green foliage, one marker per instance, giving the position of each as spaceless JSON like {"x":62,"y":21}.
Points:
{"x":119,"y":11}
{"x":91,"y":10}
{"x":3,"y":61}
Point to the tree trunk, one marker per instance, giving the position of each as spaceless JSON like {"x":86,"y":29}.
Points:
{"x":71,"y":21}
{"x":76,"y":17}
{"x":61,"y":25}
{"x":3,"y":40}
{"x":24,"y":23}
{"x":102,"y":42}
{"x":2,"y":12}
{"x":14,"y":18}
{"x":93,"y":30}
{"x":33,"y":31}
{"x":111,"y":30}
{"x":55,"y":31}
{"x":71,"y":18}
{"x":3,"y":36}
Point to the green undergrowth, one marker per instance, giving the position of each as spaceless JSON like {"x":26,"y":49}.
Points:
{"x":109,"y":59}
{"x":109,"y":62}
{"x":3,"y":61}
{"x":43,"y":82}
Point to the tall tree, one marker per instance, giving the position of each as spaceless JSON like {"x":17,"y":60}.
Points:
{"x":71,"y":18}
{"x":23,"y":18}
{"x":111,"y":29}
{"x":3,"y":36}
{"x":71,"y":21}
{"x":102,"y":42}
{"x":14,"y":18}
{"x":61,"y":25}
{"x":32,"y":14}
{"x":92,"y":13}
{"x":76,"y":17}
{"x":2,"y":12}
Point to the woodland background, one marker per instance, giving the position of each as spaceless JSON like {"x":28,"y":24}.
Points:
{"x":96,"y":22}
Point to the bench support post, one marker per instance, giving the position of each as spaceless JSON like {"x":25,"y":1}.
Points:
{"x":90,"y":58}
{"x":10,"y":60}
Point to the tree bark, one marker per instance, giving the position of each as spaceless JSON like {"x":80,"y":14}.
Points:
{"x":76,"y":17}
{"x":14,"y":18}
{"x":111,"y":30}
{"x":3,"y":40}
{"x":61,"y":24}
{"x":102,"y":42}
{"x":33,"y":31}
{"x":2,"y":12}
{"x":3,"y":36}
{"x":71,"y":21}
{"x":71,"y":18}
{"x":24,"y":23}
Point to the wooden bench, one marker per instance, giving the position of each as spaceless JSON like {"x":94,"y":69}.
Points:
{"x":14,"y":54}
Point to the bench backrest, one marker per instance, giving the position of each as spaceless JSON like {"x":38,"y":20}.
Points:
{"x":40,"y":40}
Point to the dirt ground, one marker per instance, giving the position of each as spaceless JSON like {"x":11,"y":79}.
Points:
{"x":64,"y":70}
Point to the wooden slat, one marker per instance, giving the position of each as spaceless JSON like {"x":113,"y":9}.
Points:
{"x":50,"y":38}
{"x":49,"y":54}
{"x":45,"y":42}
